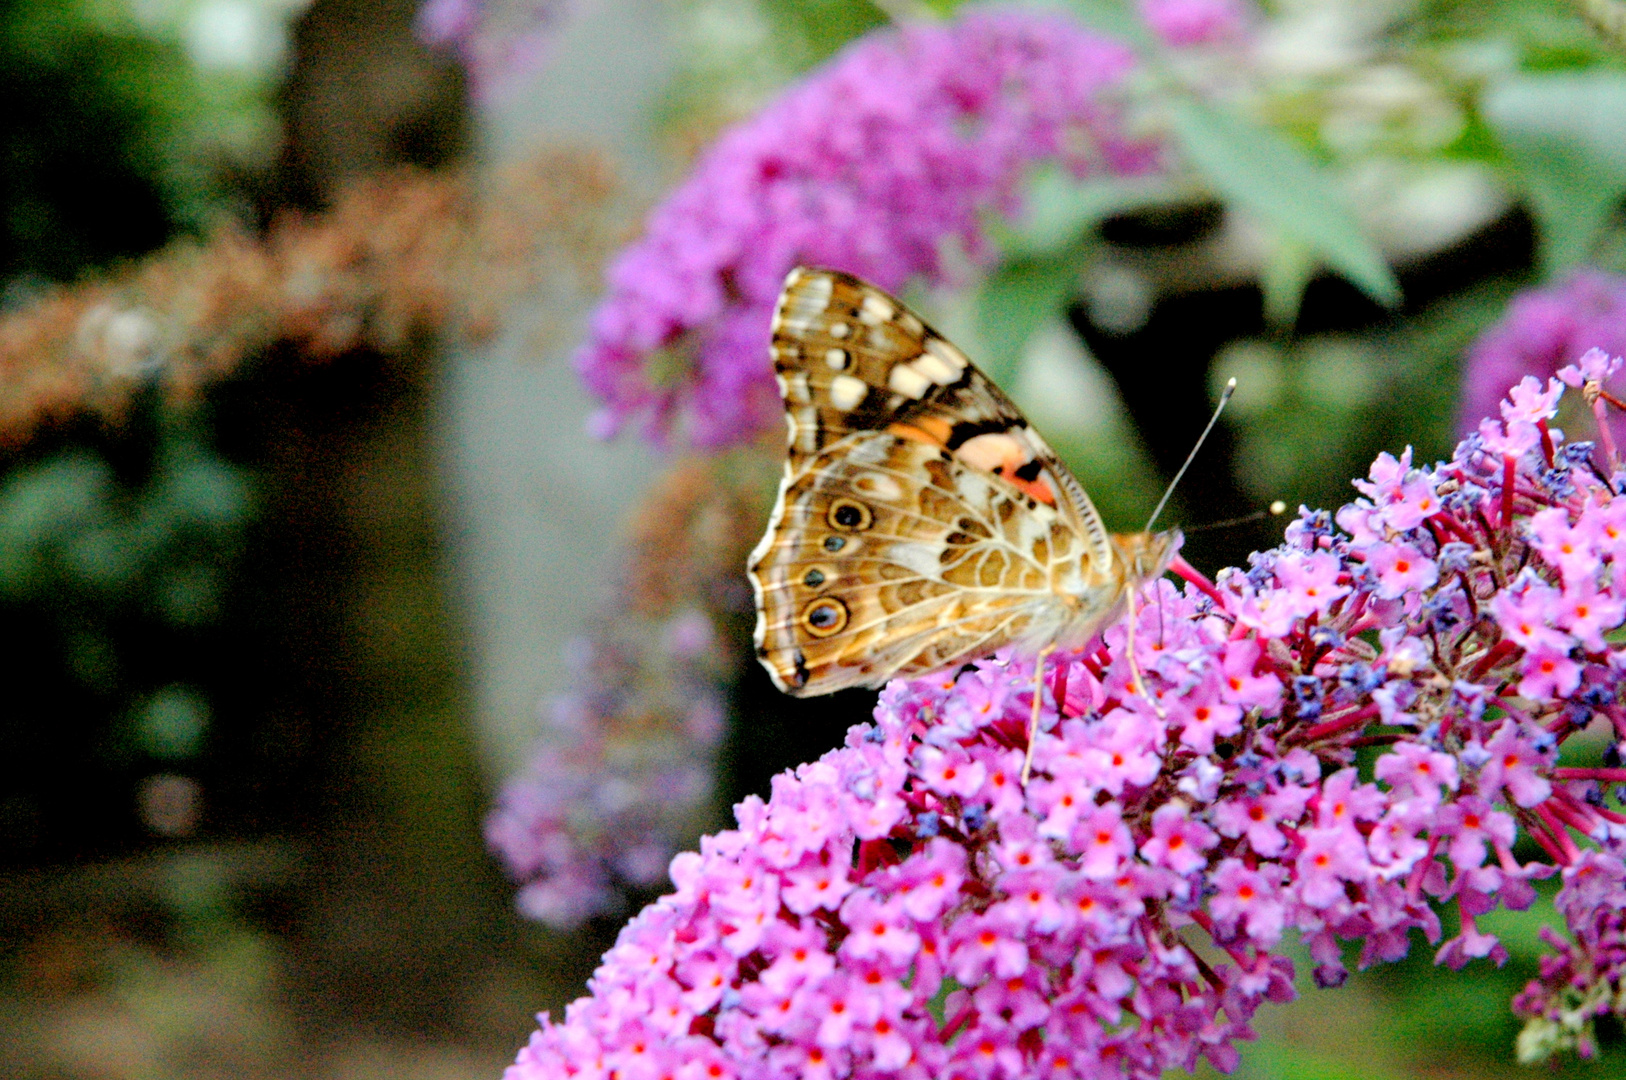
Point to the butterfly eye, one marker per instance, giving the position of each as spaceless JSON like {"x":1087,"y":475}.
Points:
{"x":850,"y":515}
{"x":824,"y":617}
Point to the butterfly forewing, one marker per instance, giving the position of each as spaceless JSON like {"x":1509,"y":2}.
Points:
{"x":921,"y":522}
{"x":851,"y":358}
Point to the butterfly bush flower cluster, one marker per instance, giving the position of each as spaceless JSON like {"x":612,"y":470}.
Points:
{"x":906,"y":907}
{"x":874,"y":164}
{"x":621,"y":776}
{"x":622,"y":773}
{"x":1544,"y":329}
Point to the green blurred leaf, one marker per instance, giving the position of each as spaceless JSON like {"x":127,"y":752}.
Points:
{"x":172,"y":723}
{"x":1564,"y":133}
{"x":939,"y":1002}
{"x":1279,"y":1062}
{"x":44,"y":505}
{"x":1059,"y":210}
{"x":1114,"y":17}
{"x":1286,"y":275}
{"x":1267,"y":175}
{"x":1015,"y":301}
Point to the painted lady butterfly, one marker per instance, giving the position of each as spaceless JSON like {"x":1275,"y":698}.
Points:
{"x":921,"y":522}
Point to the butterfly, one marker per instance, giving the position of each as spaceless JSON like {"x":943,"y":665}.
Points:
{"x":921,"y":522}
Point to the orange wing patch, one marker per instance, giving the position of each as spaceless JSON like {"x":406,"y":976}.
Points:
{"x":1004,"y":455}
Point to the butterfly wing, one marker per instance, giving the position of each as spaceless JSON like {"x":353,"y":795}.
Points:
{"x":920,"y":522}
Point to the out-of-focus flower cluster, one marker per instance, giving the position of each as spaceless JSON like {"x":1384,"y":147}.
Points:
{"x":874,"y":164}
{"x":499,"y":41}
{"x":622,"y":776}
{"x":1543,"y":329}
{"x":399,"y":258}
{"x":906,"y":907}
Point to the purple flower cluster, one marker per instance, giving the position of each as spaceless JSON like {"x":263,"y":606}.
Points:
{"x":873,"y":164}
{"x":1542,"y":330}
{"x":622,"y":776}
{"x":905,"y":907}
{"x":1182,"y":23}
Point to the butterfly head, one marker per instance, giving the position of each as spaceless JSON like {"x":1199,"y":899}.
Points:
{"x":1144,"y":556}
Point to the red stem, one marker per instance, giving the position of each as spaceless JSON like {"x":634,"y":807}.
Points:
{"x":1570,"y":816}
{"x":1601,"y":414}
{"x":1343,"y":723}
{"x":1618,"y":775}
{"x":1585,"y":809}
{"x":1058,"y":686}
{"x":1508,"y":480}
{"x":1542,"y":835}
{"x":1499,"y":652}
{"x":1452,"y":525}
{"x":1197,"y":578}
{"x":952,"y":1028}
{"x":1559,"y":834}
{"x":1546,"y":442}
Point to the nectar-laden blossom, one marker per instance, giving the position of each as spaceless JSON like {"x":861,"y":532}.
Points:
{"x":906,"y":907}
{"x":873,"y":164}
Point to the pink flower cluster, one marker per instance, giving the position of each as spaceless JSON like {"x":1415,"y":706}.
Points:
{"x":1542,"y":330}
{"x":872,"y":164}
{"x":906,"y":907}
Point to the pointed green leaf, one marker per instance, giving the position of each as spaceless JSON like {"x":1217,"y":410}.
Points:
{"x":1059,"y":210}
{"x":1564,"y":133}
{"x":1015,"y":301}
{"x":1260,"y":171}
{"x":1114,"y":17}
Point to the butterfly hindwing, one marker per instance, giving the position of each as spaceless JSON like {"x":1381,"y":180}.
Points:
{"x":891,"y":556}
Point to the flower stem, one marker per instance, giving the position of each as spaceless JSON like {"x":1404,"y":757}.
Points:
{"x":1197,"y":578}
{"x":1617,"y":775}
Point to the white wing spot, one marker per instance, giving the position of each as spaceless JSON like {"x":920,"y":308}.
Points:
{"x":804,"y":302}
{"x":879,"y":485}
{"x":840,"y":330}
{"x":921,"y":558}
{"x":935,"y":369}
{"x":952,"y":358}
{"x":793,"y":387}
{"x":907,"y":381}
{"x":846,"y":392}
{"x":876,"y":309}
{"x":837,"y":359}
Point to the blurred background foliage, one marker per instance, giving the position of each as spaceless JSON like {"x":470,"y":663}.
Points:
{"x":241,"y":783}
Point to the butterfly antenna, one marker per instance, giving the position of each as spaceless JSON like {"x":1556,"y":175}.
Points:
{"x":1225,"y":396}
{"x":1276,"y":509}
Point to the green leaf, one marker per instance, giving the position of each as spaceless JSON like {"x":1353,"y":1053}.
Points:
{"x":1260,"y":171}
{"x":1564,"y":134}
{"x":1016,"y":300}
{"x":1286,"y":274}
{"x":1115,"y":18}
{"x":938,"y":1005}
{"x":1059,"y":210}
{"x":1282,"y":1062}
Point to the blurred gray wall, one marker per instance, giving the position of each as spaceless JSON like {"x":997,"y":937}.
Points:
{"x":537,"y":504}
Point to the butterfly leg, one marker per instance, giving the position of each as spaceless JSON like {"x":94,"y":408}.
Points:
{"x":1038,"y":700}
{"x":1134,"y":664}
